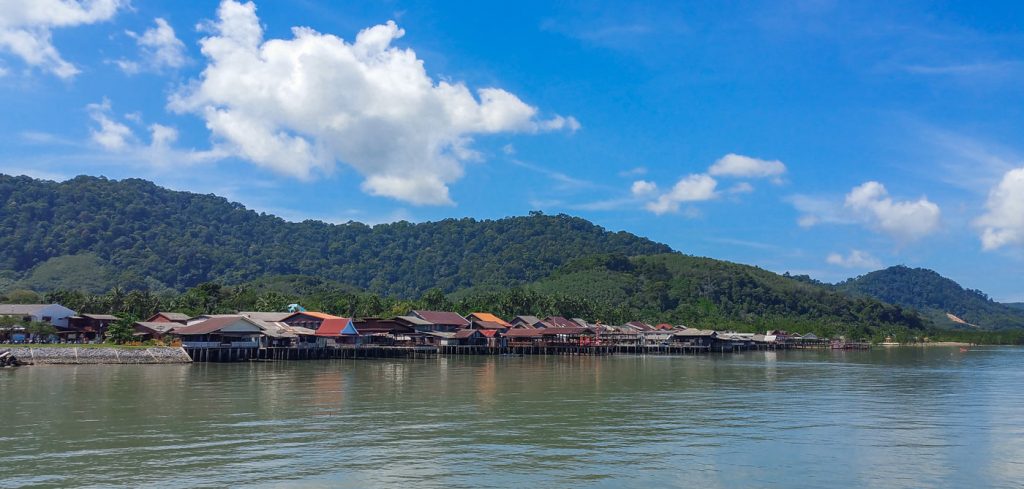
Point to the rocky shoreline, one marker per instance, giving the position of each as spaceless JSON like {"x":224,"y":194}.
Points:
{"x":69,"y":355}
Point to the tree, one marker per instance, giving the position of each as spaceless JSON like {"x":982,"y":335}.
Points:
{"x":271,"y":301}
{"x":122,"y":331}
{"x":40,"y":328}
{"x":22,"y":296}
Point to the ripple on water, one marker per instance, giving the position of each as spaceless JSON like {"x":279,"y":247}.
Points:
{"x":893,"y":418}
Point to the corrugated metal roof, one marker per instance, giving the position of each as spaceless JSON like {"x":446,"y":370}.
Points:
{"x":529,"y":320}
{"x":215,"y":324}
{"x":465,"y":333}
{"x":560,"y":322}
{"x":158,"y":326}
{"x":266,"y":316}
{"x":640,"y":325}
{"x":488,"y":325}
{"x":174,"y":316}
{"x":413,"y":320}
{"x":694,"y":332}
{"x":333,"y":326}
{"x":491,"y":318}
{"x":442,"y":317}
{"x":278,"y":329}
{"x":313,"y":314}
{"x":21,"y":309}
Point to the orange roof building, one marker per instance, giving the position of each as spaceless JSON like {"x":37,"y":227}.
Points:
{"x":308,"y":319}
{"x":488,"y":317}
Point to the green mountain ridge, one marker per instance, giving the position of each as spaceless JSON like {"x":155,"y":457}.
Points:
{"x":935,"y":297}
{"x":96,"y":233}
{"x":93,"y":235}
{"x":704,"y":292}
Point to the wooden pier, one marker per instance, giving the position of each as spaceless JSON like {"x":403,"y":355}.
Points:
{"x":233,"y":354}
{"x":228,"y":354}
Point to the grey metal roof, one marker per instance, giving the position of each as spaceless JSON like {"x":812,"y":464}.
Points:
{"x":159,"y":326}
{"x":266,"y":316}
{"x":275,"y":329}
{"x":101,"y":317}
{"x":531,"y":320}
{"x":695,"y":332}
{"x":414,"y":320}
{"x":20,"y":309}
{"x":441,"y":317}
{"x":174,"y":316}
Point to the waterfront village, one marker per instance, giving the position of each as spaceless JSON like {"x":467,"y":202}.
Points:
{"x":301,"y":334}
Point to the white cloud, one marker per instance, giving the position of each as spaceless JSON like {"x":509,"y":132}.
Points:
{"x":110,"y":134}
{"x":1003,"y":223}
{"x":734,"y":165}
{"x":25,"y":28}
{"x":903,"y":220}
{"x":117,"y":137}
{"x":693,"y":188}
{"x":161,"y":136}
{"x":159,"y":48}
{"x":643,"y":188}
{"x":298,"y":106}
{"x":703,"y":186}
{"x":855,"y":259}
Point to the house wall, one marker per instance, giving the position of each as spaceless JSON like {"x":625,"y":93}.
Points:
{"x":57,"y":313}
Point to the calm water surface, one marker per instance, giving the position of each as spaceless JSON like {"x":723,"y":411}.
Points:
{"x":902,"y":417}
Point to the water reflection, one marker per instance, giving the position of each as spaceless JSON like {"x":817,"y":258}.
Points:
{"x":884,"y":418}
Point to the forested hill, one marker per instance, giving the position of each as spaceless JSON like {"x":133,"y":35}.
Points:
{"x":96,"y":233}
{"x":709,"y":293}
{"x":935,"y":296}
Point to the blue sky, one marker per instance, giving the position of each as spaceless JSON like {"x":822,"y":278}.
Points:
{"x":817,"y":137}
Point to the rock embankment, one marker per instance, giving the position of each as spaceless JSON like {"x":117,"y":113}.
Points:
{"x":69,"y":355}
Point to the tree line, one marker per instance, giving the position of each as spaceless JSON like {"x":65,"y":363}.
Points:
{"x":97,"y":233}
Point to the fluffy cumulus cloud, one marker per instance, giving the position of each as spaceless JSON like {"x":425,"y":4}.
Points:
{"x":904,"y":220}
{"x":298,"y":106}
{"x":704,"y":186}
{"x":109,"y":133}
{"x":693,"y":188}
{"x":159,"y":48}
{"x":1003,"y":222}
{"x":25,"y":28}
{"x":855,"y":259}
{"x":739,"y":166}
{"x":643,"y":188}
